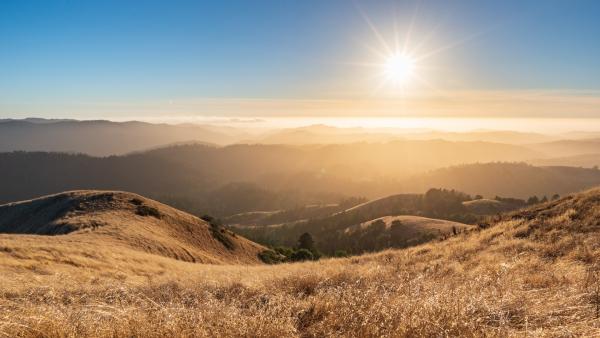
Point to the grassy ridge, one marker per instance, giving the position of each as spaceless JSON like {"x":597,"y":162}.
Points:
{"x":534,"y":272}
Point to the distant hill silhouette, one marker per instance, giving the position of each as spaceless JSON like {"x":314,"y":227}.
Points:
{"x":323,"y":134}
{"x":507,"y":179}
{"x":240,"y":178}
{"x":585,"y":160}
{"x":103,"y":138}
{"x":564,"y":148}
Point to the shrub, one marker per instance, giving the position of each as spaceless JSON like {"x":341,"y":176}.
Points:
{"x":144,"y":210}
{"x":218,"y":232}
{"x":220,"y":235}
{"x":136,"y":201}
{"x":340,"y":253}
{"x":285,"y":251}
{"x":271,"y":257}
{"x":213,"y":221}
{"x":302,"y":255}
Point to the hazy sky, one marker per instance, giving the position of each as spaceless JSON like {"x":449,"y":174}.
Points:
{"x":116,"y":59}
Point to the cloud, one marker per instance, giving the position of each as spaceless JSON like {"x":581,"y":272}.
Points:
{"x":480,"y":104}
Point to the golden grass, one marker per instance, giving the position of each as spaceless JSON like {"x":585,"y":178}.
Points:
{"x":109,"y":222}
{"x":418,"y":224}
{"x":535,"y":273}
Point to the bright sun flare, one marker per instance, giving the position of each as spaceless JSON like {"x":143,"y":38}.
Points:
{"x":399,"y":68}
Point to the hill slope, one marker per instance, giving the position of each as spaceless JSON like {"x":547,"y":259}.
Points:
{"x":532,"y":273}
{"x":368,"y":226}
{"x":196,"y":170}
{"x":109,"y":220}
{"x":397,"y":232}
{"x":418,"y":223}
{"x":507,"y":179}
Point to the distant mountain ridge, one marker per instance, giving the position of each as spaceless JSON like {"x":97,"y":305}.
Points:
{"x":104,"y":138}
{"x":242,"y":178}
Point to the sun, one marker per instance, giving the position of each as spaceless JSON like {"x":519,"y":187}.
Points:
{"x":399,"y":68}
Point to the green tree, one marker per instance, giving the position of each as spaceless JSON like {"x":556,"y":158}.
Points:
{"x":306,"y":242}
{"x":533,"y":200}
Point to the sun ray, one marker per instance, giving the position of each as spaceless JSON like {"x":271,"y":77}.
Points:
{"x":410,"y":28}
{"x":374,"y":29}
{"x":451,"y":45}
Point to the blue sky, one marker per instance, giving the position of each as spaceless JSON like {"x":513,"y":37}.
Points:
{"x":106,"y":55}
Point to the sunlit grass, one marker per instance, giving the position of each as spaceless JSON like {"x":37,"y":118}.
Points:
{"x":519,"y":277}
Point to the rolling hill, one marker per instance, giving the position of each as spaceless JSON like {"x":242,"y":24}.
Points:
{"x":414,"y":223}
{"x":486,"y":206}
{"x":585,"y":160}
{"x":91,"y":223}
{"x":507,"y":179}
{"x":531,"y":272}
{"x":397,"y":232}
{"x":104,"y":138}
{"x":240,"y":178}
{"x":364,"y":227}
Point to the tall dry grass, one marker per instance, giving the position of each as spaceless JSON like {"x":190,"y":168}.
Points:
{"x":535,"y":273}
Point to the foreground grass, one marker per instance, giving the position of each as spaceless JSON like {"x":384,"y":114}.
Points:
{"x":533,"y":273}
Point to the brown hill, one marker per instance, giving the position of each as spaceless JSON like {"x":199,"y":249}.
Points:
{"x":534,"y":272}
{"x":418,"y":224}
{"x":400,"y":231}
{"x":103,"y":221}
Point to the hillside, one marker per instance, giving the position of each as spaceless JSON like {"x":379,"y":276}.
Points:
{"x":415,"y":223}
{"x":362,"y":228}
{"x":487,"y":206}
{"x":223,"y":181}
{"x":585,"y":160}
{"x":103,"y":222}
{"x":533,"y":272}
{"x":397,"y":232}
{"x":507,"y":179}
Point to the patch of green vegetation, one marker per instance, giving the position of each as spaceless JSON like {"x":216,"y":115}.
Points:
{"x":271,"y":257}
{"x":222,"y":236}
{"x":136,"y":201}
{"x":218,"y":232}
{"x":340,"y":253}
{"x":145,"y":210}
{"x":301,"y":255}
{"x":281,"y":254}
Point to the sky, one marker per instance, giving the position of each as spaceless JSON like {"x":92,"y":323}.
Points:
{"x":313,"y":58}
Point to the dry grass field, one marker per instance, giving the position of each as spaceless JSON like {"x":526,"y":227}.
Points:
{"x":418,"y":224}
{"x":532,"y":273}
